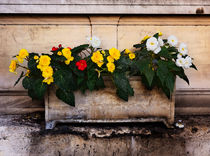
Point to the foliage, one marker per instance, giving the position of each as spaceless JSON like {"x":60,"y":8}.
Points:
{"x":83,"y":68}
{"x":160,"y":65}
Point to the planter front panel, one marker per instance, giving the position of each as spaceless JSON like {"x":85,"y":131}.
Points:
{"x":104,"y":105}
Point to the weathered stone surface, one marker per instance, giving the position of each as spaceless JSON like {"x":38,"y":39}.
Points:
{"x":104,"y":106}
{"x":38,"y":33}
{"x":25,"y":135}
{"x":105,"y":6}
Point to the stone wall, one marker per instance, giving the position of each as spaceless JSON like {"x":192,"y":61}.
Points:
{"x":38,"y":33}
{"x":25,"y":135}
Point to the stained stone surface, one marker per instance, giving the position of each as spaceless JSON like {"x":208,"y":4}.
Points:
{"x":26,"y":135}
{"x":105,"y":105}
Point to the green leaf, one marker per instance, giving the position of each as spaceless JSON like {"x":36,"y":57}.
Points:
{"x":65,"y":80}
{"x":164,"y":53}
{"x":21,"y":75}
{"x":172,"y":66}
{"x":193,"y":66}
{"x":123,"y":86}
{"x":121,"y":94}
{"x":166,"y":91}
{"x":66,"y":96}
{"x":183,"y":76}
{"x":145,"y":82}
{"x":91,"y":84}
{"x":78,"y":72}
{"x":92,"y":76}
{"x":162,"y":71}
{"x":149,"y":75}
{"x":172,"y":49}
{"x":170,"y":81}
{"x":80,"y":80}
{"x":143,"y":66}
{"x":81,"y":83}
{"x":123,"y":64}
{"x":138,"y":45}
{"x":32,"y":94}
{"x":32,"y":65}
{"x":100,"y":83}
{"x":156,"y":35}
{"x":56,"y":57}
{"x":27,"y":83}
{"x":39,"y":88}
{"x":75,"y":51}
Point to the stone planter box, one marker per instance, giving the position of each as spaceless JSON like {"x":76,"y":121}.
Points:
{"x":103,"y":106}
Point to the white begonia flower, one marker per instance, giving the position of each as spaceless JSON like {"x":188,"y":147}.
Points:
{"x":187,"y":62}
{"x":160,"y":41}
{"x":94,"y":41}
{"x":152,"y":44}
{"x":183,"y":49}
{"x":179,"y":55}
{"x":180,"y":62}
{"x":172,"y":40}
{"x":157,"y":50}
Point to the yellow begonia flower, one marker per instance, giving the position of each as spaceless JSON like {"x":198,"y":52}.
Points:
{"x":160,"y":33}
{"x":127,"y":51}
{"x":27,"y":73}
{"x":115,"y":53}
{"x":145,"y":38}
{"x":48,"y":80}
{"x":44,"y":60}
{"x":13,"y":66}
{"x":59,"y":53}
{"x":36,"y":57}
{"x":69,"y":60}
{"x":100,"y":63}
{"x":23,"y":53}
{"x":111,"y":67}
{"x":20,"y":59}
{"x":67,"y":54}
{"x":132,"y":56}
{"x":47,"y":72}
{"x":110,"y":59}
{"x":40,"y":67}
{"x":97,"y":57}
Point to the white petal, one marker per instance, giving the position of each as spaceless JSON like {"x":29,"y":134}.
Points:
{"x":160,"y":41}
{"x":152,"y":44}
{"x":95,"y":42}
{"x":179,"y":55}
{"x":180,"y":62}
{"x":183,"y":49}
{"x":157,"y":50}
{"x":172,"y":40}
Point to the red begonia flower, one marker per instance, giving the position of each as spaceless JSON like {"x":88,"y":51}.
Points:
{"x":81,"y":65}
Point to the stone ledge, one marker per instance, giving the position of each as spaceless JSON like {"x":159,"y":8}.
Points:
{"x":105,"y":7}
{"x":25,"y":135}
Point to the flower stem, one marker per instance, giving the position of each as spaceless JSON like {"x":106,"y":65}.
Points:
{"x":22,"y":66}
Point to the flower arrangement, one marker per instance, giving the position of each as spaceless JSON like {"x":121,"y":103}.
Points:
{"x":158,"y":62}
